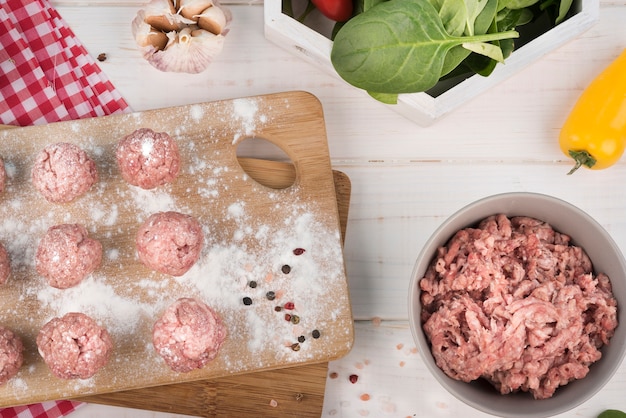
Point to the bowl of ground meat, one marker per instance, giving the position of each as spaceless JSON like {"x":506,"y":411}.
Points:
{"x":516,"y":305}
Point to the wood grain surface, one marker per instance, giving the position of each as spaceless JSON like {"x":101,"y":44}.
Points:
{"x":298,"y":391}
{"x":219,"y":189}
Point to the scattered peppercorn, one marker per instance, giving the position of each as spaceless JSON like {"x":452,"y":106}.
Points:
{"x":295,"y":347}
{"x":287,"y":317}
{"x":270,"y":295}
{"x":295,"y":319}
{"x":278,"y":308}
{"x":298,"y":251}
{"x":102,"y":57}
{"x":285,"y":269}
{"x":290,"y":306}
{"x":353,"y":378}
{"x":301,"y":339}
{"x":315,"y":334}
{"x":247,"y":301}
{"x":252,"y":284}
{"x":333,"y":375}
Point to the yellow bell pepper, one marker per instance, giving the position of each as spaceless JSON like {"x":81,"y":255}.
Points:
{"x":594,"y":134}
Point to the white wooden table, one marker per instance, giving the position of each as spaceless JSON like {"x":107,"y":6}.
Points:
{"x":405,"y":179}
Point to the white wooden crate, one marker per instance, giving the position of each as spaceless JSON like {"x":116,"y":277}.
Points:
{"x":423,"y":108}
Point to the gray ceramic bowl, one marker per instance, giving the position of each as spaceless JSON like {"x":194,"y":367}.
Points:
{"x":606,"y":257}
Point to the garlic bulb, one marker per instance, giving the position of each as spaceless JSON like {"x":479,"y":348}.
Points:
{"x":181,"y":35}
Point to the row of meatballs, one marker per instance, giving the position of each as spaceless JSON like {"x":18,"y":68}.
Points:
{"x":187,"y":336}
{"x":147,"y":159}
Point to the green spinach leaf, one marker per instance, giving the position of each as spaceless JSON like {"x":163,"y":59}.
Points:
{"x":453,"y":14}
{"x":516,"y":4}
{"x":385,"y":97}
{"x":612,"y":413}
{"x":474,"y":9}
{"x":564,"y":7}
{"x":481,"y":25}
{"x":398,"y":46}
{"x":483,"y":48}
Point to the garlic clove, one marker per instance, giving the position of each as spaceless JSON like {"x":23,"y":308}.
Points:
{"x":161,"y":15}
{"x":147,"y":36}
{"x":190,"y":52}
{"x":190,"y":8}
{"x":212,"y":19}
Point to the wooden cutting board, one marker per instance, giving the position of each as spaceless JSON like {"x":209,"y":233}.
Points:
{"x":297,"y":391}
{"x":251,"y":230}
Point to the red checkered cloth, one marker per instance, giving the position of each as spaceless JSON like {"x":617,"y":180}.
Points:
{"x":52,"y":409}
{"x":46,"y":74}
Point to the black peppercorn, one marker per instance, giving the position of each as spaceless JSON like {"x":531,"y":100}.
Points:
{"x":315,"y":334}
{"x":285,"y":269}
{"x":247,"y":301}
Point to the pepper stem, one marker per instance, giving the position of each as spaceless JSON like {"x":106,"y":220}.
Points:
{"x":581,"y":158}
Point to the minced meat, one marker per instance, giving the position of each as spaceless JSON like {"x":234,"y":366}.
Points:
{"x":148,"y":159}
{"x":63,"y":171}
{"x":188,"y":335}
{"x":513,"y":302}
{"x":169,"y":242}
{"x":74,"y":346}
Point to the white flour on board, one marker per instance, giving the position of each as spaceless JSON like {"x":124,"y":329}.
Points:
{"x":245,"y":111}
{"x":272,"y":282}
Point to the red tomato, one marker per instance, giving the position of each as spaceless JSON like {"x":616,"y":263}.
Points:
{"x":337,"y":10}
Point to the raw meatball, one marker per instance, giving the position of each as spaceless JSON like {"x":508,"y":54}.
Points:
{"x":74,"y":346}
{"x":188,"y":335}
{"x":11,"y":354}
{"x":169,"y":242}
{"x":66,"y":255}
{"x":148,"y":159}
{"x":63,"y":172}
{"x":5,"y":265}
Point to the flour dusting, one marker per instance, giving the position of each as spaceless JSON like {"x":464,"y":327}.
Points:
{"x":271,"y":266}
{"x":246,"y":110}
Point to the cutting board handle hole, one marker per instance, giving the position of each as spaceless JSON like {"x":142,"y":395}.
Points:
{"x":266,"y":163}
